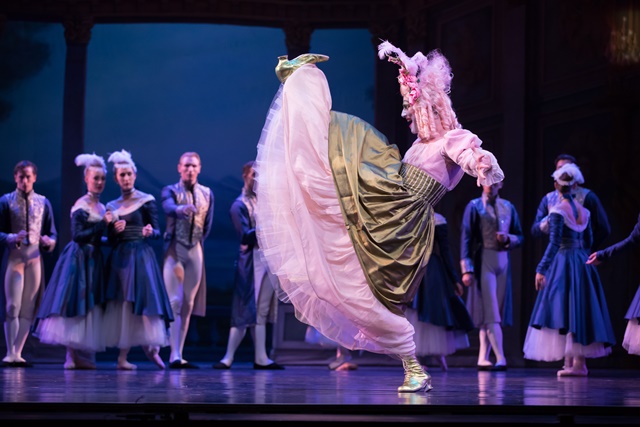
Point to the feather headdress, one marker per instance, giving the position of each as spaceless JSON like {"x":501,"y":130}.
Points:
{"x":568,"y":174}
{"x":122,"y":159}
{"x":91,"y":160}
{"x":428,"y":81}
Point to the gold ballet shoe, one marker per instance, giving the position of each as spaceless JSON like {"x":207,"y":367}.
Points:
{"x":415,"y":377}
{"x":286,"y":67}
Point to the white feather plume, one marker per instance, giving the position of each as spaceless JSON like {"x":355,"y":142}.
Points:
{"x":387,"y":49}
{"x":572,"y":170}
{"x":122,"y":157}
{"x":87,"y":160}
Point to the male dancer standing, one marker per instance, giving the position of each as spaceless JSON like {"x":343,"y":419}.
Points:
{"x":188,"y":207}
{"x":26,"y":228}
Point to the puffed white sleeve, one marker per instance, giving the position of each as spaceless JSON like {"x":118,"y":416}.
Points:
{"x":463,"y":148}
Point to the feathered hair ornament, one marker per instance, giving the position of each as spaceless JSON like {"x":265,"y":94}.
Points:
{"x":91,"y":160}
{"x":409,"y":68}
{"x":122,"y":159}
{"x":568,"y":174}
{"x":428,"y":83}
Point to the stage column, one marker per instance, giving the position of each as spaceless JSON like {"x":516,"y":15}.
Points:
{"x":298,"y":39}
{"x":77,"y":33}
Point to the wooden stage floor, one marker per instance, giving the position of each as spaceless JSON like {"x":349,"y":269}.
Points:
{"x":314,"y":395}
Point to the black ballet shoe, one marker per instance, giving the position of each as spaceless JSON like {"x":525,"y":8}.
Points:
{"x":271,"y":366}
{"x":220,"y":365}
{"x":499,"y":368}
{"x":485,"y":368}
{"x":178,"y":364}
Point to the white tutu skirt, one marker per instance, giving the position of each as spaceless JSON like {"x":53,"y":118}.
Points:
{"x":434,"y":340}
{"x":631,"y":340}
{"x":123,"y":329}
{"x":548,"y":345}
{"x":301,"y":230}
{"x":79,"y":333}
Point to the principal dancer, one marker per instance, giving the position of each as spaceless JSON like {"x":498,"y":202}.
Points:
{"x":344,"y":222}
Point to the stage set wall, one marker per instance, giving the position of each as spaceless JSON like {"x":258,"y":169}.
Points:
{"x":532,"y":79}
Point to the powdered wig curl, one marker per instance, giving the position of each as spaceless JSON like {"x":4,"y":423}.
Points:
{"x":428,"y":80}
{"x":91,"y":161}
{"x":122,"y":159}
{"x":568,"y":174}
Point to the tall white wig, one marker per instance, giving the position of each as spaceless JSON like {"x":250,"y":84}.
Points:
{"x":428,"y":80}
{"x":91,"y":161}
{"x":568,"y":174}
{"x":122,"y":159}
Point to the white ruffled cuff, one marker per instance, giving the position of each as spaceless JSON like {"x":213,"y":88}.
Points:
{"x":487,"y":165}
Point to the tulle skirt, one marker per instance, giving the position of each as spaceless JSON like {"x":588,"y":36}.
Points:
{"x":80,"y":333}
{"x":572,"y":302}
{"x":631,"y":340}
{"x":70,"y":312}
{"x":77,"y":283}
{"x":124,"y":329}
{"x":434,"y":340}
{"x":304,"y":239}
{"x":548,"y":345}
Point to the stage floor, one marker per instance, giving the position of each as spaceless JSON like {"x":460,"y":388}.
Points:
{"x":310,"y":395}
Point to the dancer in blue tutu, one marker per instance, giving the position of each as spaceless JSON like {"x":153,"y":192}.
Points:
{"x":570,"y":318}
{"x":138,"y":312}
{"x":70,"y":313}
{"x":438,"y":313}
{"x":631,"y":340}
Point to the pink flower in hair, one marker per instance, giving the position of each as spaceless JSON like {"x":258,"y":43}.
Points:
{"x":409,"y":80}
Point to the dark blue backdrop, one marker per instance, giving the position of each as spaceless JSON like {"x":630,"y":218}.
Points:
{"x":158,"y":90}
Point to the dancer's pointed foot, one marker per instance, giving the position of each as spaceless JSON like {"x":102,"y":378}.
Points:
{"x":153,"y":354}
{"x":83,"y":364}
{"x":415,"y":377}
{"x":500,"y":366}
{"x":124,"y":365}
{"x":484,"y":365}
{"x":574,"y":371}
{"x":347,"y":366}
{"x":273,"y":366}
{"x":340,"y":360}
{"x":221,"y":365}
{"x":78,"y":359}
{"x":182,"y":364}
